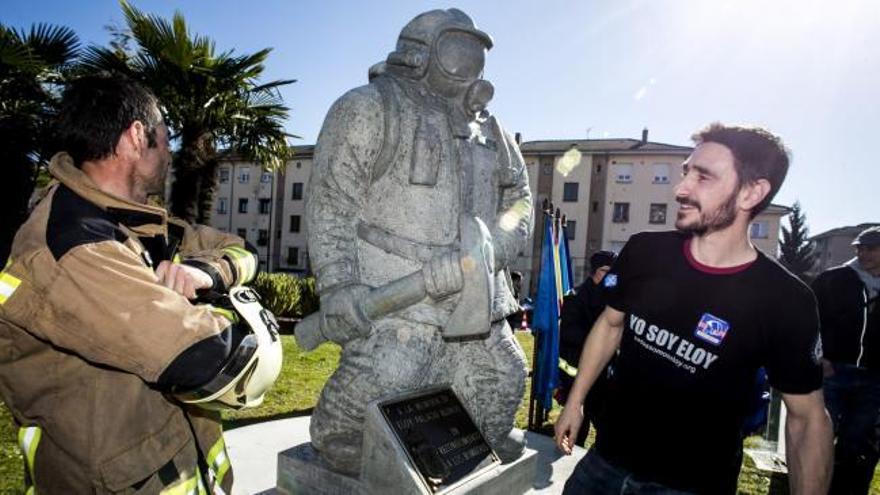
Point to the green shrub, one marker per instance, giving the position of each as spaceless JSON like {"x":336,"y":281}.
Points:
{"x":286,"y":295}
{"x":308,"y":298}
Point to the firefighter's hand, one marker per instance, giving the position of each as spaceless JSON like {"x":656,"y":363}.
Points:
{"x":183,"y":279}
{"x":567,"y":427}
{"x":342,"y":312}
{"x":443,"y":275}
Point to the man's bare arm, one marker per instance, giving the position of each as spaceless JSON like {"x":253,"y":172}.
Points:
{"x":808,"y":439}
{"x":600,"y":346}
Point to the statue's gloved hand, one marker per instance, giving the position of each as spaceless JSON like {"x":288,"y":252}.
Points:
{"x":443,"y":275}
{"x":345,"y":320}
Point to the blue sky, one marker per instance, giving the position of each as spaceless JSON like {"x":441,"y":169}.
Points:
{"x":806,"y":69}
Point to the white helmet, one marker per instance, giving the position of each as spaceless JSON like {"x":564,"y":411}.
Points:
{"x":253,"y":366}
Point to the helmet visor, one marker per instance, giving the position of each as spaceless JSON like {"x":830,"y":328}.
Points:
{"x":461,"y":54}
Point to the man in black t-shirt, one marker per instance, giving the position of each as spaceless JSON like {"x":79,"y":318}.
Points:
{"x":692,"y":315}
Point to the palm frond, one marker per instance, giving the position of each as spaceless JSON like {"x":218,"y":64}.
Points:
{"x":272,"y":85}
{"x":55,"y":45}
{"x":99,"y":58}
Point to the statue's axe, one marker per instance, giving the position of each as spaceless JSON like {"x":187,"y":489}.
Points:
{"x":471,"y":318}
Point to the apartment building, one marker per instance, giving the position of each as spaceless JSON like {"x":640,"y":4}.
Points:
{"x":293,"y":182}
{"x":266,"y":208}
{"x":243,"y":204}
{"x":764,"y":230}
{"x":608,"y":189}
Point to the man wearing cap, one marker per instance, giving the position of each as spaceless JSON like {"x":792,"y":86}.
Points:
{"x":579,"y":312}
{"x":848,"y":310}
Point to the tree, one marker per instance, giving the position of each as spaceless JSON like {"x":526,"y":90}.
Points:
{"x":796,"y":246}
{"x":33,"y":65}
{"x":213,"y":101}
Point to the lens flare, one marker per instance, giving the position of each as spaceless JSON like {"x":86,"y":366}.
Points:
{"x":511,"y":218}
{"x":568,"y":162}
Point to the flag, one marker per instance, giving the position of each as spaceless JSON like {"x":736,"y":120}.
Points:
{"x":565,"y":259}
{"x":553,"y":284}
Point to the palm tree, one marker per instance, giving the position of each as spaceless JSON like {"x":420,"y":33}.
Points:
{"x":213,"y":101}
{"x":33,"y":65}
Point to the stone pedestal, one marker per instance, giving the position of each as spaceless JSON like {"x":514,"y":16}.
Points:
{"x":301,"y":471}
{"x":419,"y":443}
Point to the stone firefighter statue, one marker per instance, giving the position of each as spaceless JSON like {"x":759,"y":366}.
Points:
{"x":417,"y":204}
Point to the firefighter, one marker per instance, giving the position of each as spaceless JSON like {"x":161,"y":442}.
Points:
{"x":111,"y":368}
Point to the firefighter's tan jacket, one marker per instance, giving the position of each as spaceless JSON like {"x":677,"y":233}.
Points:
{"x":85,"y":332}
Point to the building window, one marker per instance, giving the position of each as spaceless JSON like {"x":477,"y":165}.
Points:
{"x":294,"y":223}
{"x":266,"y":177}
{"x":242,"y":233}
{"x":623,"y":173}
{"x":658,"y":213}
{"x":262,"y":237}
{"x":570,"y":229}
{"x":293,"y":256}
{"x":547,"y":166}
{"x":296,"y":191}
{"x":244,"y":175}
{"x":242,"y":205}
{"x":264,"y":206}
{"x":222,"y":206}
{"x":661,"y":173}
{"x":570,"y":191}
{"x":621,"y":213}
{"x":224,"y":175}
{"x":759,"y":230}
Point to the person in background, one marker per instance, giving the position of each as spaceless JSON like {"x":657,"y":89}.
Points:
{"x":579,"y":312}
{"x":850,"y":318}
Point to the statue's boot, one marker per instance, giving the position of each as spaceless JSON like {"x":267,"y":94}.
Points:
{"x":343,"y":453}
{"x":511,"y":447}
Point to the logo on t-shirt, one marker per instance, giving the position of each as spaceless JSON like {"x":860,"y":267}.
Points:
{"x":610,"y":280}
{"x":712,"y":329}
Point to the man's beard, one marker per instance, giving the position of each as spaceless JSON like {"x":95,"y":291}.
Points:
{"x":709,"y":222}
{"x":154,"y":183}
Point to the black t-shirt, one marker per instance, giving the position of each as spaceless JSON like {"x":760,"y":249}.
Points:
{"x":693,"y":339}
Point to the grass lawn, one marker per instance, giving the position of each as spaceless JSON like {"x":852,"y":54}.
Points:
{"x":295,"y":394}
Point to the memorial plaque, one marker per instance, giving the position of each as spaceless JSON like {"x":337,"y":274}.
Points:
{"x":439,"y":437}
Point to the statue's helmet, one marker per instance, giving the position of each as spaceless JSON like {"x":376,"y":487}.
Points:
{"x":443,"y":44}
